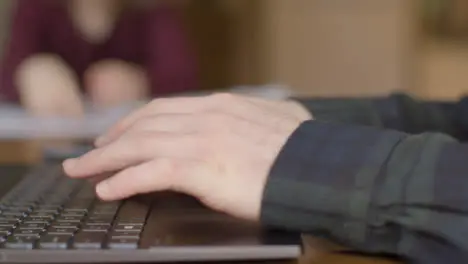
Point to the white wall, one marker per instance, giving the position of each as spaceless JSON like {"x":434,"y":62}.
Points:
{"x":329,"y":47}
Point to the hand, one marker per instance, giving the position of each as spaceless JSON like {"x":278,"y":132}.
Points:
{"x":113,"y":82}
{"x":48,"y":87}
{"x":218,"y":149}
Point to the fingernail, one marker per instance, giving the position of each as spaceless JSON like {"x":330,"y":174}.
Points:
{"x":69,"y":164}
{"x":100,"y":141}
{"x":103,"y":190}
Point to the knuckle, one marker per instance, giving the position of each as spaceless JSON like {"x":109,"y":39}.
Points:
{"x":142,"y":124}
{"x":119,"y":127}
{"x":167,"y":166}
{"x":204,"y":147}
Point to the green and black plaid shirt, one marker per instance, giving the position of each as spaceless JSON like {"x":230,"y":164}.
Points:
{"x":382,"y":176}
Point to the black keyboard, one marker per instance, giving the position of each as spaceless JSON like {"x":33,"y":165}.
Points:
{"x":50,"y":211}
{"x":46,"y":217}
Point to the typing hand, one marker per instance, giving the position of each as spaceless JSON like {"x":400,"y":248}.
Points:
{"x":218,"y":148}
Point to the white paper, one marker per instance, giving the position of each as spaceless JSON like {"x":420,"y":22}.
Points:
{"x":15,"y":123}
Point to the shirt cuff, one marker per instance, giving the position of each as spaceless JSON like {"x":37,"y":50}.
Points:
{"x":324,"y":177}
{"x":351,"y":111}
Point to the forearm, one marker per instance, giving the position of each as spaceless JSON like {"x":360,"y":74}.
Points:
{"x":372,"y":190}
{"x":398,"y":112}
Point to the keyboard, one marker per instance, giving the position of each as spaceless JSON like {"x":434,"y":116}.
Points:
{"x":59,"y":213}
{"x":46,"y":217}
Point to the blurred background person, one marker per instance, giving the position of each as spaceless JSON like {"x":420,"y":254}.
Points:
{"x":61,"y":53}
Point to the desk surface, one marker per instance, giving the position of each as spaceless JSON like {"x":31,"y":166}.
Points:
{"x":317,"y":252}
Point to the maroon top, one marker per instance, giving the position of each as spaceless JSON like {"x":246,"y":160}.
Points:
{"x":151,"y":38}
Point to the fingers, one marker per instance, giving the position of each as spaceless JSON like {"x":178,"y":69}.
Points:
{"x":231,"y":104}
{"x":157,"y":175}
{"x":167,"y":123}
{"x":157,"y":107}
{"x":131,"y":151}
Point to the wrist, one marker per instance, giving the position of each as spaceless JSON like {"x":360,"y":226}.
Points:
{"x":300,"y":110}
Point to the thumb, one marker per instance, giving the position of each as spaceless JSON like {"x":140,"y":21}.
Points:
{"x":153,"y":176}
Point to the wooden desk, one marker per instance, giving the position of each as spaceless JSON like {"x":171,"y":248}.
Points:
{"x":317,"y":252}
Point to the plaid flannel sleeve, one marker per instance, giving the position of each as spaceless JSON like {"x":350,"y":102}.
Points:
{"x":377,"y":191}
{"x":399,"y":112}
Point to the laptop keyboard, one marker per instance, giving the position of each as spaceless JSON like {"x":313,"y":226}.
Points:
{"x":48,"y":211}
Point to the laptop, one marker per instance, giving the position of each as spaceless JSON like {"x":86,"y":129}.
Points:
{"x":46,"y":217}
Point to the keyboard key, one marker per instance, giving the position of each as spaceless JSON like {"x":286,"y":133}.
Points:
{"x":21,"y":242}
{"x":69,"y":219}
{"x":101,"y":215}
{"x":13,"y":214}
{"x":5,"y":223}
{"x":34,"y":220}
{"x":27,"y":232}
{"x":128,"y":228}
{"x":123,"y":243}
{"x":65,"y":225}
{"x":55,"y":200}
{"x":101,"y":218}
{"x":125,"y":234}
{"x":50,"y":210}
{"x":33,"y":226}
{"x":95,"y":228}
{"x":18,"y":209}
{"x":48,"y":207}
{"x":6,"y":229}
{"x":75,"y":210}
{"x":66,"y":214}
{"x":89,"y":240}
{"x":132,"y":212}
{"x":4,"y":232}
{"x":107,"y":205}
{"x":22,"y":204}
{"x":104,"y":210}
{"x":82,"y":204}
{"x":100,"y":222}
{"x":50,"y":204}
{"x":10,"y":225}
{"x":54,"y":242}
{"x":46,"y":216}
{"x":86,"y":192}
{"x":61,"y":231}
{"x":9,"y":219}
